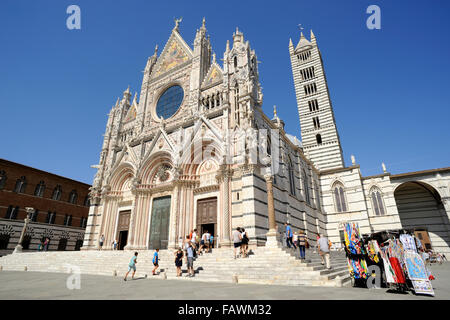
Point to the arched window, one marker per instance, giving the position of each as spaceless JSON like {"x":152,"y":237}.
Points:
{"x":291,"y":176}
{"x":73,"y":197}
{"x":39,"y":191}
{"x":21,"y":184}
{"x":87,"y":202}
{"x":377,"y":202}
{"x":11,"y":212}
{"x":34,"y":215}
{"x":3,"y":178}
{"x":319,"y":139}
{"x":339,"y":197}
{"x":57,"y":193}
{"x":306,"y":186}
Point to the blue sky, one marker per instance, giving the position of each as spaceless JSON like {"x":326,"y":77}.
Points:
{"x":389,"y":87}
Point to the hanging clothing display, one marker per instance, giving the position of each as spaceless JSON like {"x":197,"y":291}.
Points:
{"x":408,"y":242}
{"x":395,"y":263}
{"x":418,"y":273}
{"x":373,"y":250}
{"x":355,"y":250}
{"x":388,"y":270}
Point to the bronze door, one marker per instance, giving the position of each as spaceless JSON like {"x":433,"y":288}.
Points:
{"x":159,"y":228}
{"x":122,"y":228}
{"x":207,"y":212}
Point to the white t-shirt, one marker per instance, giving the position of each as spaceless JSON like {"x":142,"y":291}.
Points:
{"x":194,"y":235}
{"x":295,"y":237}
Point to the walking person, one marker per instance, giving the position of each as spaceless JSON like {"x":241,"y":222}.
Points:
{"x":155,"y":261}
{"x":193,"y":242}
{"x":244,"y":243}
{"x":46,"y":242}
{"x":301,"y":240}
{"x":190,"y":260}
{"x":179,"y":261}
{"x":295,"y":239}
{"x":131,"y":266}
{"x":237,"y":238}
{"x":102,"y":239}
{"x":288,"y":235}
{"x":324,"y":250}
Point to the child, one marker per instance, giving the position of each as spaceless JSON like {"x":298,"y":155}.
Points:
{"x":155,"y":261}
{"x":132,"y":265}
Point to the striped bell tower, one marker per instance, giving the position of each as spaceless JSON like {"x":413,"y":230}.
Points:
{"x":320,"y":137}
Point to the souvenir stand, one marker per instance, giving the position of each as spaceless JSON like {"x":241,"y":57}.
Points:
{"x":402,"y":266}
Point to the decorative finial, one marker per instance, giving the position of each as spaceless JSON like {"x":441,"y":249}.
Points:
{"x":156,"y":51}
{"x":214,"y":57}
{"x":384,"y":167}
{"x":177,"y":23}
{"x":353,"y":160}
{"x":203,"y":22}
{"x":274,"y":111}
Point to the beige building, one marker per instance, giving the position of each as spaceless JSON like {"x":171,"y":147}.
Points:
{"x":195,"y":150}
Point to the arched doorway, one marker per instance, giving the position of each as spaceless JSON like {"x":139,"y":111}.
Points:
{"x":420,"y":208}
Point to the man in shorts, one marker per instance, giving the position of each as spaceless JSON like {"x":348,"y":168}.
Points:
{"x":190,"y":260}
{"x":237,"y":239}
{"x":132,"y":266}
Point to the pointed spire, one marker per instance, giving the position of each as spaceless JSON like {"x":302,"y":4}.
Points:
{"x":290,"y":42}
{"x":313,"y":37}
{"x":156,"y":51}
{"x":275,"y":111}
{"x":214,"y":57}
{"x":117,"y":102}
{"x":227,"y":48}
{"x":135,"y":99}
{"x":203,"y":23}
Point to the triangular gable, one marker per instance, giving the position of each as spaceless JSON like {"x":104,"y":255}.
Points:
{"x":214,"y":75}
{"x":175,"y":53}
{"x":131,"y":114}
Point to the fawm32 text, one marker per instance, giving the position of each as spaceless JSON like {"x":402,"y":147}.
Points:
{"x":258,"y":309}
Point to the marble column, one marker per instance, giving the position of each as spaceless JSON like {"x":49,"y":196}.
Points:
{"x":173,"y":243}
{"x":272,"y":233}
{"x":225,"y":236}
{"x":132,"y":229}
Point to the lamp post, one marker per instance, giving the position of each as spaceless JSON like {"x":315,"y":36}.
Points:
{"x":29,"y":211}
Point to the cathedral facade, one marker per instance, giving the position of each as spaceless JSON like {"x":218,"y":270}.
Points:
{"x":196,"y":151}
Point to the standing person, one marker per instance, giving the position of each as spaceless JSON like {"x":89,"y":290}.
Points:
{"x":131,"y":265}
{"x":155,"y":261}
{"x":301,"y":240}
{"x":190,"y":260}
{"x":193,"y":237}
{"x":324,"y":250}
{"x":237,"y":238}
{"x":40,"y":246}
{"x":115,"y":244}
{"x":47,"y":240}
{"x":316,"y":248}
{"x":244,"y":243}
{"x":288,"y":235}
{"x":179,"y":261}
{"x":102,"y":239}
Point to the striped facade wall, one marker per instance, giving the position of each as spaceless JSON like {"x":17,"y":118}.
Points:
{"x":13,"y":229}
